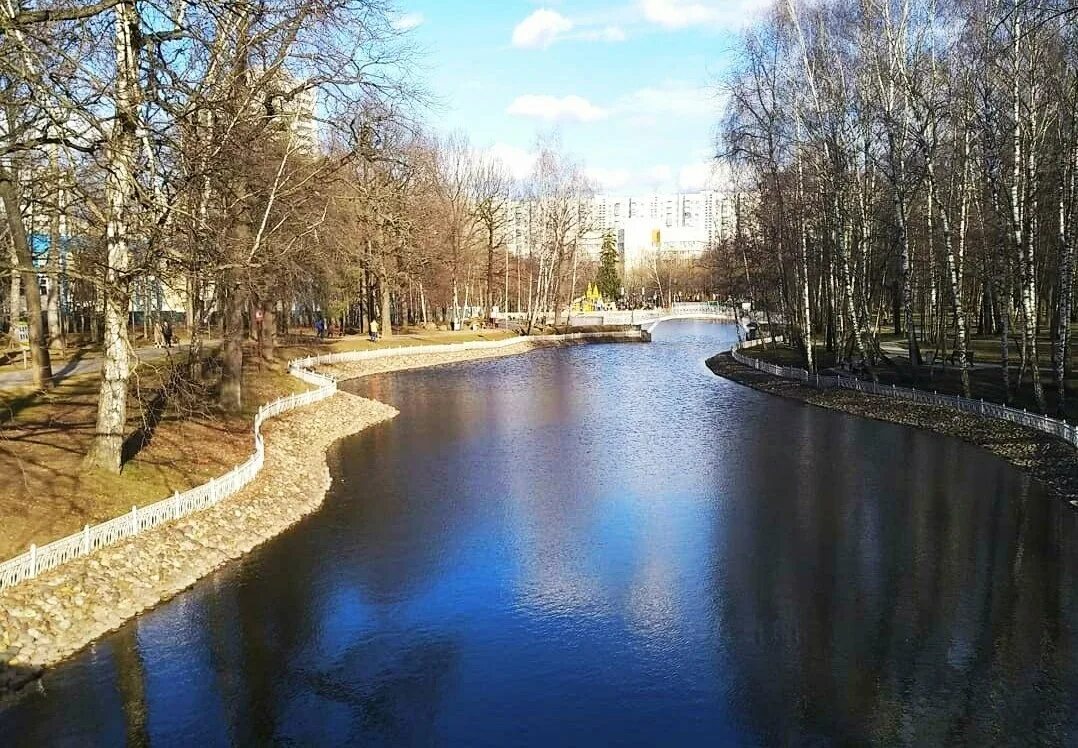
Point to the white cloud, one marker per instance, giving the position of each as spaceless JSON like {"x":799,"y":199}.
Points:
{"x":661,"y":174}
{"x":693,"y":176}
{"x":680,"y":14}
{"x":519,"y":161}
{"x":676,"y":14}
{"x":605,"y":34}
{"x":541,"y":29}
{"x":644,"y":107}
{"x":408,"y":21}
{"x":555,"y":109}
{"x":672,"y":97}
{"x":696,"y":176}
{"x":704,"y":175}
{"x":609,"y":180}
{"x":545,"y":27}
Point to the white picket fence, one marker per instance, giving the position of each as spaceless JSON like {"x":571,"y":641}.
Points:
{"x":38,"y":560}
{"x":980,"y":408}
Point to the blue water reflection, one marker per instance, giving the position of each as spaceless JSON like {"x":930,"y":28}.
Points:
{"x":608,"y":545}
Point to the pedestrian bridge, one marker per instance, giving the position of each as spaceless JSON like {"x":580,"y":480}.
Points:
{"x":649,"y":319}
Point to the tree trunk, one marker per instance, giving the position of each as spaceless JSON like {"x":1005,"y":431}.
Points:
{"x":236,"y":294}
{"x":15,"y":292}
{"x":907,"y":281}
{"x":953,"y":275}
{"x":195,"y":328}
{"x":490,"y":272}
{"x":231,"y":396}
{"x":39,"y":349}
{"x":56,"y":322}
{"x":1066,"y":282}
{"x":107,"y":449}
{"x":1002,"y":304}
{"x":106,"y":452}
{"x":841,"y":239}
{"x":386,"y":314}
{"x":268,"y":333}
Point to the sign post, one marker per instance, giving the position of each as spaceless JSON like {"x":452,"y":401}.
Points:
{"x":259,"y":333}
{"x":22,"y":337}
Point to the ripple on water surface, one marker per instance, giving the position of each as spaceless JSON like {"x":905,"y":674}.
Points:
{"x":608,"y":545}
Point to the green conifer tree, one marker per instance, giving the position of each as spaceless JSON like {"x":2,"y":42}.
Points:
{"x":607,"y":279}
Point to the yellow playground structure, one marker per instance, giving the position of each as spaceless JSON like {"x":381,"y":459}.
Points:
{"x":591,"y":301}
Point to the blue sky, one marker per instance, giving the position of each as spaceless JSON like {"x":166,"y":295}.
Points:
{"x":628,"y":84}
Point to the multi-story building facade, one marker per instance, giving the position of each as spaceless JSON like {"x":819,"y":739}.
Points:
{"x":295,"y":102}
{"x":683,"y":225}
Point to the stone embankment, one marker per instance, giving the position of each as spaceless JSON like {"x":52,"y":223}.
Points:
{"x":46,"y":619}
{"x":51,"y":617}
{"x":1047,"y":458}
{"x":404,"y":361}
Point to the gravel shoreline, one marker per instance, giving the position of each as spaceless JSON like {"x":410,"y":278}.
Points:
{"x":405,"y":360}
{"x":1050,"y":460}
{"x":52,"y":617}
{"x":47,"y":619}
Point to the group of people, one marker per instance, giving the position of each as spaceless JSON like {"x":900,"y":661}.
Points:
{"x":325,"y":329}
{"x":162,"y":334}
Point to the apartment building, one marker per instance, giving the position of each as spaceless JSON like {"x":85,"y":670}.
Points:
{"x":682,"y":224}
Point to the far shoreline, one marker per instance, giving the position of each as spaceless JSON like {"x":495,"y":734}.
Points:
{"x":1049,"y":460}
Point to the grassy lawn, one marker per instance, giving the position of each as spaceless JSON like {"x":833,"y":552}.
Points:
{"x":986,"y":348}
{"x":986,"y":383}
{"x":44,"y":435}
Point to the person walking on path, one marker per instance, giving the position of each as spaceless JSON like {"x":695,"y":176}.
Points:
{"x":374,"y":331}
{"x":166,"y":331}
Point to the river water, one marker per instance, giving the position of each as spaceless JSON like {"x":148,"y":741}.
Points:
{"x":608,"y":545}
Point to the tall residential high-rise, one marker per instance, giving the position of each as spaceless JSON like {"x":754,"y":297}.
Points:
{"x":295,"y":101}
{"x":683,"y":224}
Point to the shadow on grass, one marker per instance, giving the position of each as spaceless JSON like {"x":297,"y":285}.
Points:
{"x":142,"y":436}
{"x":986,"y":383}
{"x":67,"y":397}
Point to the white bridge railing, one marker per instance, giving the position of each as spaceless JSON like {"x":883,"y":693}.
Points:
{"x":980,"y":408}
{"x":38,"y":560}
{"x":647,"y":316}
{"x":703,"y":308}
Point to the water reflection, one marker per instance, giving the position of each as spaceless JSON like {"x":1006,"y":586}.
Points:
{"x":610,"y":545}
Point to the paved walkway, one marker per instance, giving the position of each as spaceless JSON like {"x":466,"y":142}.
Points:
{"x":896,"y":349}
{"x":84,"y":364}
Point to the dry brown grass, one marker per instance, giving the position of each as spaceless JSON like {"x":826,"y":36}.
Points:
{"x":45,"y":492}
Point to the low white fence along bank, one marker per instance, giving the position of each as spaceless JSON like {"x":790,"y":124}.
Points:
{"x":980,"y":408}
{"x":39,"y":560}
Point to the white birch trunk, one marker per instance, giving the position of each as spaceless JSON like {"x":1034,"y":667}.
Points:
{"x":106,"y":451}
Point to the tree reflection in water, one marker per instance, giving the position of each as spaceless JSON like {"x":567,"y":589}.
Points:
{"x":609,"y":545}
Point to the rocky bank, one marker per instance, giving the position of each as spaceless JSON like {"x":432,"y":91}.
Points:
{"x":51,"y":617}
{"x":46,"y":619}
